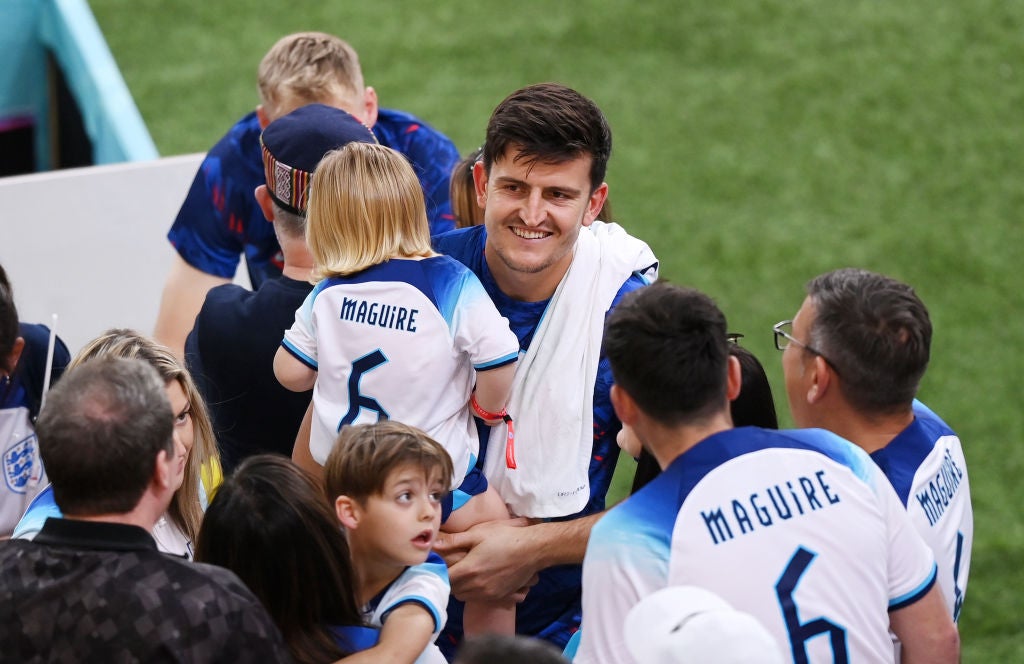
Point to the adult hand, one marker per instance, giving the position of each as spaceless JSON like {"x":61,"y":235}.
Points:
{"x":491,"y":562}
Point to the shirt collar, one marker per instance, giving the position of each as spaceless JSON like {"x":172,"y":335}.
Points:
{"x":95,"y":535}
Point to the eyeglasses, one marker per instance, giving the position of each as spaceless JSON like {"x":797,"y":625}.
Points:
{"x":783,"y":340}
{"x":733,"y":337}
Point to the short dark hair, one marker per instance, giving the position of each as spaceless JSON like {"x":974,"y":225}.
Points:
{"x":270,"y":524}
{"x":507,"y":649}
{"x":876,"y":332}
{"x":8,"y":320}
{"x":364,"y":455}
{"x":668,"y":350}
{"x":753,"y":407}
{"x":100,"y":432}
{"x":551,"y":124}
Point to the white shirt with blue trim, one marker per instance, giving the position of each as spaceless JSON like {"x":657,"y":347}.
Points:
{"x":401,"y":340}
{"x":22,"y":465}
{"x":426,"y":585}
{"x":927,"y":468}
{"x":168,"y":536}
{"x":798,"y":528}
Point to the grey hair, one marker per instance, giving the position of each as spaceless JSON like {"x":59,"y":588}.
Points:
{"x":100,"y":433}
{"x":877,"y":333}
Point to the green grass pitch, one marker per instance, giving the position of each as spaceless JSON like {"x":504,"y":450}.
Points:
{"x":757,"y":144}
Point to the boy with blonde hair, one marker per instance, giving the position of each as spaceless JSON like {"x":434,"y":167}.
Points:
{"x":386,"y":481}
{"x":220,"y":218}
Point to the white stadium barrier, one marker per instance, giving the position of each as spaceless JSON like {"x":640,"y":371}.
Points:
{"x":89,"y":244}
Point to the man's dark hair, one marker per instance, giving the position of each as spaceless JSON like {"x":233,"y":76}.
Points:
{"x":550,"y":124}
{"x":668,"y":350}
{"x":876,"y":332}
{"x":507,"y":649}
{"x":8,"y":320}
{"x":753,"y":407}
{"x":100,"y":432}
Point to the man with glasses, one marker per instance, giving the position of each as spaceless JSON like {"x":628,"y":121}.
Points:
{"x":797,"y":528}
{"x":853,"y":358}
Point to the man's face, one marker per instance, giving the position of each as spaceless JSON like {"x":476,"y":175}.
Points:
{"x":795,"y":367}
{"x":533,"y":213}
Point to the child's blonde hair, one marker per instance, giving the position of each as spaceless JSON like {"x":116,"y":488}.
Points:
{"x":308,"y":67}
{"x":366,"y":454}
{"x":365,"y":207}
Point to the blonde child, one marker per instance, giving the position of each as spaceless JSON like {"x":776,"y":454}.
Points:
{"x":395,"y":331}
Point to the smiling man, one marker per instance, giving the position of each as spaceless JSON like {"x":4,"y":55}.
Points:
{"x":555,"y":272}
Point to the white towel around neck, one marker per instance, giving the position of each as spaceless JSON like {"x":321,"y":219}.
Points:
{"x":552,"y":399}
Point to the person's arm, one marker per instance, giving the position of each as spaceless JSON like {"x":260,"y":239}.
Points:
{"x":301,"y":455}
{"x":493,"y":387}
{"x":407,"y":631}
{"x":292,"y":373}
{"x":183,"y":296}
{"x":499,"y":560}
{"x":926,"y":631}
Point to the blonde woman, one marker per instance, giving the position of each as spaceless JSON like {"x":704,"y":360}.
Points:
{"x":394,"y":330}
{"x":194,"y":440}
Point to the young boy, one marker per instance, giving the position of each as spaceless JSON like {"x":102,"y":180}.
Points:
{"x":387,"y":481}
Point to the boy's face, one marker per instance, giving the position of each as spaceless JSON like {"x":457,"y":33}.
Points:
{"x":401,"y":522}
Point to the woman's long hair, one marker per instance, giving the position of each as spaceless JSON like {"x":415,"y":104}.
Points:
{"x":271,"y":525}
{"x":185,"y":509}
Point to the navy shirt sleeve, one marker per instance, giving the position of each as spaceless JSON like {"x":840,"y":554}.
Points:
{"x":220,"y":218}
{"x":31,"y":369}
{"x":432,"y":155}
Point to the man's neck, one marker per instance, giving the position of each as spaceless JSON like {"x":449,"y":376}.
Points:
{"x":296,"y":272}
{"x":869,"y":432}
{"x":298,"y":263}
{"x":667,"y":444}
{"x":526,"y":286}
{"x":129,"y":519}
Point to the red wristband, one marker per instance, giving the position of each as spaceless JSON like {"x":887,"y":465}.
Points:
{"x":510,"y":438}
{"x":485,"y":414}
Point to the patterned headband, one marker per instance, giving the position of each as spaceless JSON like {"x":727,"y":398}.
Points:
{"x":288,"y":186}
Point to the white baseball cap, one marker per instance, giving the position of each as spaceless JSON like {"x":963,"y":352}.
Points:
{"x":691,"y":625}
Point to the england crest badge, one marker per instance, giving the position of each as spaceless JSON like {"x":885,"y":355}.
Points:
{"x":22,"y":465}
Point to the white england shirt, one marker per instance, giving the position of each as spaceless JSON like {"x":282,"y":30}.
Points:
{"x":426,"y":585}
{"x":798,"y":528}
{"x":926,"y":467}
{"x":400,"y":340}
{"x":22,"y":466}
